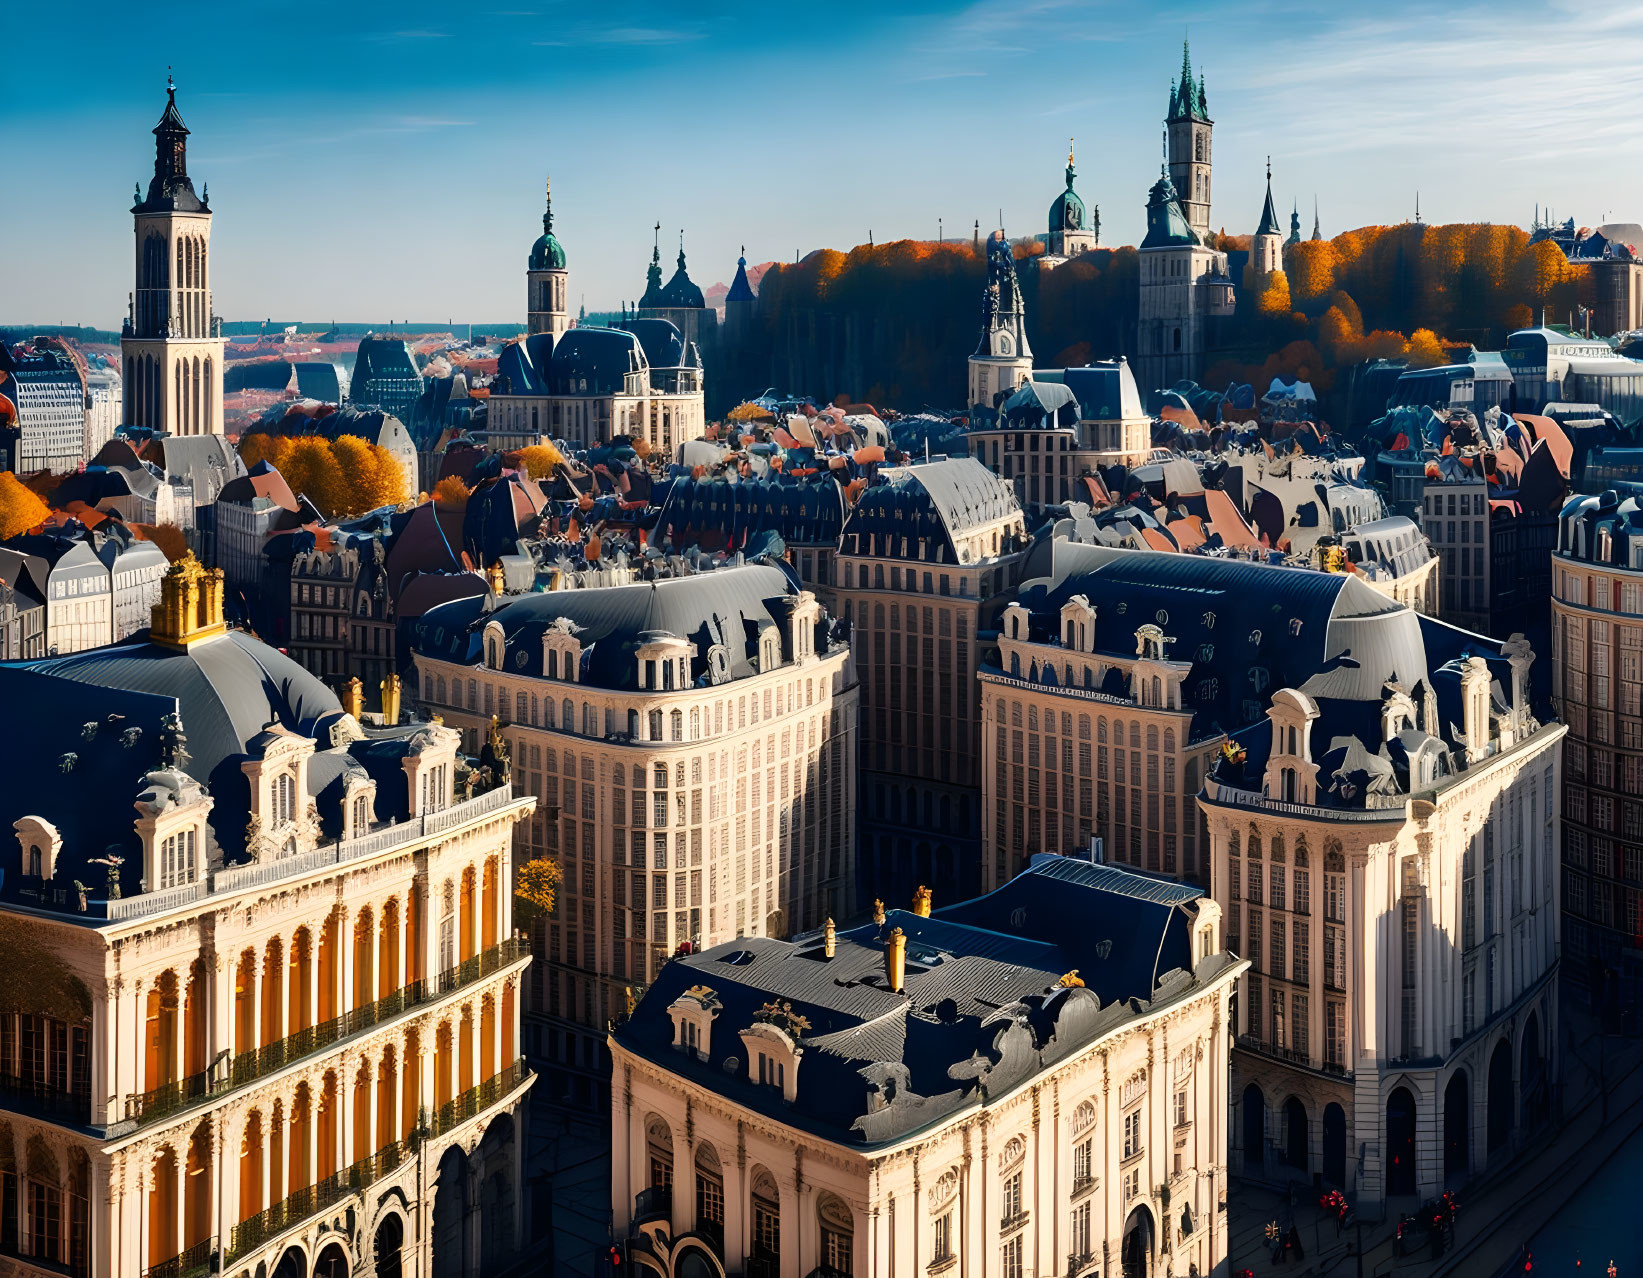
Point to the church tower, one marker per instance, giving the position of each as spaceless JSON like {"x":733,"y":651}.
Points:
{"x":1189,"y":128}
{"x":1266,"y":249}
{"x":1072,"y":228}
{"x":171,"y":344}
{"x":546,"y":282}
{"x":1002,"y":359}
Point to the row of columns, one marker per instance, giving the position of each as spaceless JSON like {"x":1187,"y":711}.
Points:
{"x":429,"y":940}
{"x":354,"y":1127}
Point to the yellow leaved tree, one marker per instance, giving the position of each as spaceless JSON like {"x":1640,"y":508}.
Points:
{"x":20,"y":507}
{"x":535,"y":890}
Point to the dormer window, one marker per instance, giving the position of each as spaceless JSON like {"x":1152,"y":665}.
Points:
{"x":693,"y":1013}
{"x":770,"y":1072}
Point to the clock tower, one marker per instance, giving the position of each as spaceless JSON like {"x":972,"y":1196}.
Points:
{"x":171,"y":346}
{"x":1002,"y":359}
{"x":547,"y":284}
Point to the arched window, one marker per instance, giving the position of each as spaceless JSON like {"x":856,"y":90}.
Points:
{"x":677,"y":724}
{"x":767,"y":1221}
{"x":838,"y":1232}
{"x":710,"y":1194}
{"x":658,"y":1153}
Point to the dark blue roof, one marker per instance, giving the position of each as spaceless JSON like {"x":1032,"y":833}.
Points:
{"x":983,"y":1011}
{"x":1246,"y":628}
{"x":663,"y":344}
{"x":728,"y":606}
{"x":593,"y":361}
{"x":740,"y":289}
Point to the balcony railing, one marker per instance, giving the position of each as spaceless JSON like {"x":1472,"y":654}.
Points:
{"x":259,"y":1062}
{"x":318,"y":1197}
{"x":477,"y":1099}
{"x":196,"y":1260}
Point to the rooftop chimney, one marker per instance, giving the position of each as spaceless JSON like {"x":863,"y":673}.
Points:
{"x":830,"y":939}
{"x":921,"y":902}
{"x":895,"y":960}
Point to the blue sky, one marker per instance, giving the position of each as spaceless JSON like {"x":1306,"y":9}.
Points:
{"x":373,"y":162}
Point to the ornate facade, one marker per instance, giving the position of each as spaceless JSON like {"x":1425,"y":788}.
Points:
{"x":865,"y":1102}
{"x":276,"y":1028}
{"x":1386,"y":856}
{"x":693,"y":743}
{"x":172,"y":344}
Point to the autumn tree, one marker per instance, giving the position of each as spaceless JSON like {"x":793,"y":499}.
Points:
{"x":451,"y":493}
{"x":1274,"y":297}
{"x":1425,"y":351}
{"x":20,"y":508}
{"x":537,"y":885}
{"x":1311,"y":268}
{"x":342,"y":477}
{"x":539,"y":460}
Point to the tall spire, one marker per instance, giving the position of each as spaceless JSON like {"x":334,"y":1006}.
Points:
{"x":547,"y":207}
{"x":1071,"y":171}
{"x":1317,"y":233}
{"x":1269,"y":215}
{"x":170,"y":188}
{"x":681,"y":249}
{"x":656,"y":246}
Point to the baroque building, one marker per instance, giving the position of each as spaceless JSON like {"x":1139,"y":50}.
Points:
{"x":1597,"y":684}
{"x":1028,"y":1083}
{"x":1385,"y":854}
{"x":275,"y":1029}
{"x":643,"y":380}
{"x":172,"y":344}
{"x":692,"y":741}
{"x":926,"y":561}
{"x":1051,"y":437}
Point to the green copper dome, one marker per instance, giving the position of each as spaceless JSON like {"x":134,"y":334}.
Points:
{"x":547,"y":254}
{"x":1068,"y":212}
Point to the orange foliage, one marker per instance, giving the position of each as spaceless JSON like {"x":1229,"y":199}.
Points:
{"x":171,"y":540}
{"x":1311,"y":266}
{"x":538,"y":460}
{"x":344,"y":476}
{"x":20,"y":508}
{"x":1425,"y":351}
{"x":451,"y":493}
{"x":1274,"y":297}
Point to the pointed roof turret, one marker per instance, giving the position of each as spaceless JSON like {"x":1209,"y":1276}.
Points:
{"x":680,"y":290}
{"x":547,"y":254}
{"x":170,"y":189}
{"x":1294,"y":224}
{"x":1316,"y":233}
{"x":740,"y":289}
{"x":1187,"y":101}
{"x":1269,"y":215}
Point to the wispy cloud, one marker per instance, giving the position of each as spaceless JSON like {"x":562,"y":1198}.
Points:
{"x":952,"y":75}
{"x":389,"y":37}
{"x":1395,"y":86}
{"x":628,"y":36}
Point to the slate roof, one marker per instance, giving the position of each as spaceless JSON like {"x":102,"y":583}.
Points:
{"x":983,"y":1011}
{"x":932,"y":505}
{"x":227,"y":691}
{"x":593,"y":361}
{"x":1246,"y":628}
{"x":1269,"y":216}
{"x":728,"y":606}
